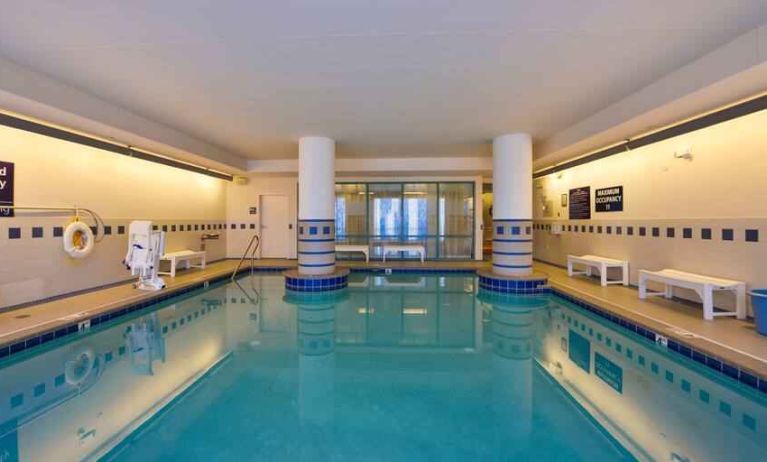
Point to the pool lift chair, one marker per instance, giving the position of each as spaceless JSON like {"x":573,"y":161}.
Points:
{"x":145,"y":247}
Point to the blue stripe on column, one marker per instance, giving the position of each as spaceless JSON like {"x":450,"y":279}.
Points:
{"x":512,"y":220}
{"x":316,"y":253}
{"x":317,"y":265}
{"x":316,"y":240}
{"x":512,"y":266}
{"x":512,"y":253}
{"x":512,"y":240}
{"x":317,"y":220}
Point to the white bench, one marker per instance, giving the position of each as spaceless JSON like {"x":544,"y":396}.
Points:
{"x":704,"y":286}
{"x":185,"y":256}
{"x":354,"y":248}
{"x":418,"y":248}
{"x":600,"y":263}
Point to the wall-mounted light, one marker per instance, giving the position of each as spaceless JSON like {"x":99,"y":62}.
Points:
{"x":684,"y":153}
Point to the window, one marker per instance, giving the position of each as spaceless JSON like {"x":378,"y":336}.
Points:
{"x":438,"y":215}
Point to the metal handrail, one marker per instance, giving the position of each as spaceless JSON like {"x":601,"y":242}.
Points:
{"x":257,"y":241}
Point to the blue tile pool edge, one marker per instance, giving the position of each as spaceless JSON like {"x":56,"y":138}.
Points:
{"x":714,"y":363}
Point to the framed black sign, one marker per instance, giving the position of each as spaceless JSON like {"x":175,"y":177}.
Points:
{"x":580,"y":203}
{"x":6,"y":188}
{"x":609,"y":199}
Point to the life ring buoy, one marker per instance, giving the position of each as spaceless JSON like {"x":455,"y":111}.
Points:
{"x":78,"y":369}
{"x":78,"y":240}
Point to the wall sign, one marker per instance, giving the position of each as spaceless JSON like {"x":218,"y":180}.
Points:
{"x":6,"y":188}
{"x":609,"y":372}
{"x":609,"y":199}
{"x":580,"y":203}
{"x":252,"y":210}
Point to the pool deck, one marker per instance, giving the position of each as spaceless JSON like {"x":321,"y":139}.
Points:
{"x":730,"y":339}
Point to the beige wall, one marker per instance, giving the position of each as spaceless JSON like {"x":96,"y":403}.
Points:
{"x":240,"y":198}
{"x":723,"y":187}
{"x":52,"y":172}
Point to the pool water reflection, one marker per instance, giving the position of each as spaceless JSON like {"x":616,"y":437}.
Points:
{"x":403,"y":367}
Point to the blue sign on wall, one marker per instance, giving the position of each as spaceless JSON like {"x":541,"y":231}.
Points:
{"x":6,"y":188}
{"x":580,"y":351}
{"x":609,"y":372}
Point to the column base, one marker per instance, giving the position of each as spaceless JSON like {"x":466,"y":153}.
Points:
{"x":297,"y":282}
{"x":531,"y":284}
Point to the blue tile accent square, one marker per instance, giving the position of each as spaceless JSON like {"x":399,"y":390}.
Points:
{"x":326,"y":230}
{"x":685,"y":386}
{"x":313,"y":230}
{"x":670,"y":232}
{"x":642,"y":231}
{"x":641,"y":360}
{"x":591,"y":228}
{"x":686,"y":233}
{"x":59,"y":380}
{"x":38,"y":390}
{"x":630,"y":230}
{"x":242,"y":225}
{"x":515,"y":230}
{"x":165,"y":228}
{"x":705,"y":233}
{"x":749,"y":422}
{"x":618,"y":230}
{"x":37,"y":232}
{"x":609,"y":230}
{"x":14,"y":233}
{"x":58,"y":231}
{"x":121,"y":229}
{"x":669,"y":376}
{"x":599,"y":230}
{"x":233,"y":226}
{"x":252,"y":226}
{"x":17,"y":400}
{"x":752,"y":235}
{"x":725,"y":408}
{"x":107,"y":230}
{"x":655,"y":231}
{"x":728,"y":234}
{"x":654,"y":368}
{"x":499,"y":230}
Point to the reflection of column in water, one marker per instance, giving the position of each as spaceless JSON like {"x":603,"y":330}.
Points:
{"x":513,"y":330}
{"x":316,"y":354}
{"x":316,"y":363}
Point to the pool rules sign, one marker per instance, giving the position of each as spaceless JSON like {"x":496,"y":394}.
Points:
{"x":609,"y":199}
{"x":6,"y":189}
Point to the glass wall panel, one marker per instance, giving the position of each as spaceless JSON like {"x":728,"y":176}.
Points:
{"x":456,"y":220}
{"x":439,"y":216}
{"x":385,"y":202}
{"x":420,"y":209}
{"x":351,"y":213}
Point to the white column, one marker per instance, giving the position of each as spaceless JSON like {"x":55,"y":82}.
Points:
{"x":512,"y":204}
{"x":316,"y":205}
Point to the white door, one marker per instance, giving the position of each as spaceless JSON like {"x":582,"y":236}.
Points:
{"x":275,"y":235}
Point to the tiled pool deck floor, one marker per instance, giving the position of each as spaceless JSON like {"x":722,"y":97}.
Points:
{"x":730,"y":339}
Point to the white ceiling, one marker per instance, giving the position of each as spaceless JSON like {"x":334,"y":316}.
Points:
{"x":390,"y":78}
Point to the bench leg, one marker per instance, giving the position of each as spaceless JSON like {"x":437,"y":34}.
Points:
{"x":173,"y":267}
{"x":384,"y":256}
{"x":625,"y":274}
{"x":569,"y":268}
{"x":708,"y":303}
{"x":642,"y":287}
{"x":421,"y":256}
{"x":603,"y":274}
{"x":204,"y":260}
{"x":740,"y":301}
{"x":669,"y":291}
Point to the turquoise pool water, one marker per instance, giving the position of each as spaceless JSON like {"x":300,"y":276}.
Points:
{"x":403,"y":367}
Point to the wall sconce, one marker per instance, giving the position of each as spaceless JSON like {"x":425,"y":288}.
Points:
{"x":685,"y":153}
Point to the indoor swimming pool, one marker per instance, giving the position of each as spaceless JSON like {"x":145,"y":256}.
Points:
{"x":395,"y":367}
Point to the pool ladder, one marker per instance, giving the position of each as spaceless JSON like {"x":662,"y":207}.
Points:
{"x":253,"y":240}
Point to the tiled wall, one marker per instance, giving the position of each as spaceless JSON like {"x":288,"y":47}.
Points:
{"x":728,"y":248}
{"x":35,"y":266}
